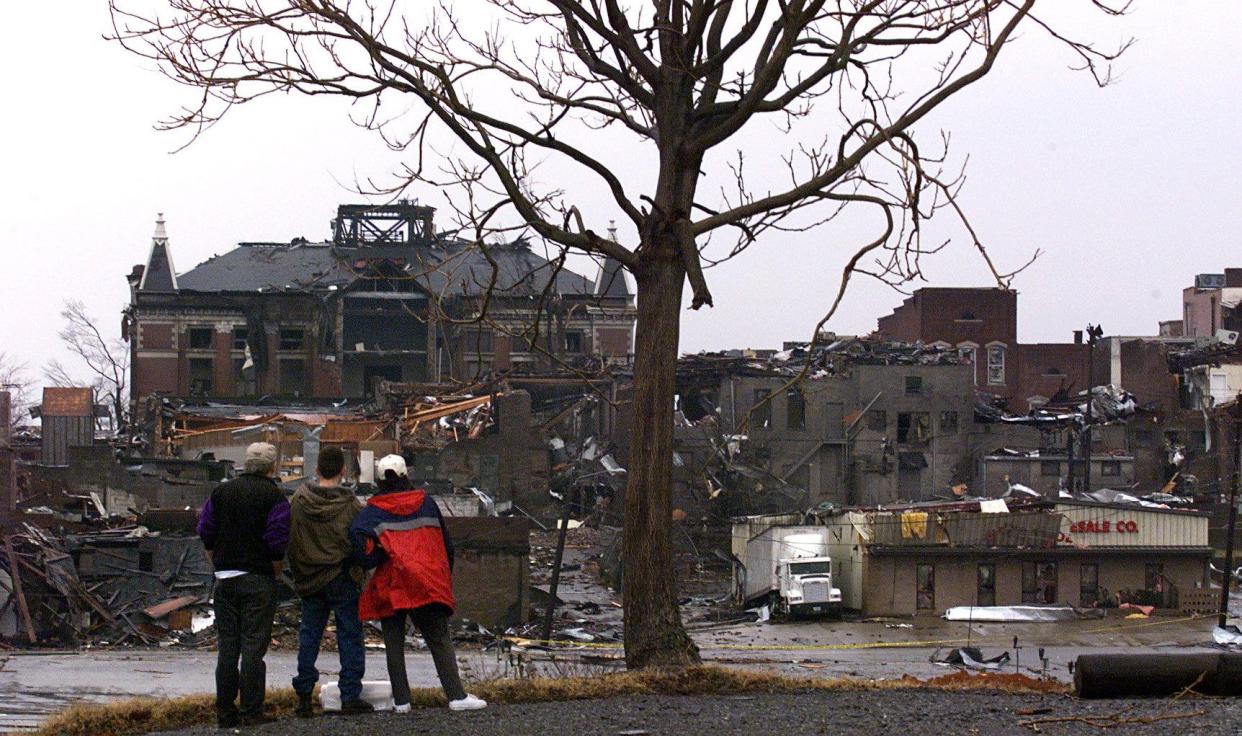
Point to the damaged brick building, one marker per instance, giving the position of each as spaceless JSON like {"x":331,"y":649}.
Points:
{"x":982,"y":323}
{"x":386,"y":298}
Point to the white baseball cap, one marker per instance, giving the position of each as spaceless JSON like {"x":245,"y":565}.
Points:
{"x":395,"y":463}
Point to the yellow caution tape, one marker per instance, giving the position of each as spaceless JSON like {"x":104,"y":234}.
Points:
{"x":569,"y":644}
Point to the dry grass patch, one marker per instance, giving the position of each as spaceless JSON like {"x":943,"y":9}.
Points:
{"x":149,"y":715}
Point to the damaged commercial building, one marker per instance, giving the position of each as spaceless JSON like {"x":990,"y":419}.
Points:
{"x":926,"y":558}
{"x":868,"y":422}
{"x":387,"y":298}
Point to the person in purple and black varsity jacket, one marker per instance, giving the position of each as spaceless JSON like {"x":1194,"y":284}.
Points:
{"x":245,"y":527}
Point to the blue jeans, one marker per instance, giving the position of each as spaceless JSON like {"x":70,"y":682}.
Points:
{"x":340,"y":598}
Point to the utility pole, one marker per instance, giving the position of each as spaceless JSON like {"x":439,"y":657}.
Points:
{"x":1093,"y":333}
{"x":1233,"y":512}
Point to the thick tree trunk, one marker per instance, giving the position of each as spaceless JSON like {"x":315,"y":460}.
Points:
{"x":654,"y":635}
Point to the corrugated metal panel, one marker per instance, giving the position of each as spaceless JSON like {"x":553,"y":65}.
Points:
{"x":1029,"y":529}
{"x":1091,"y":526}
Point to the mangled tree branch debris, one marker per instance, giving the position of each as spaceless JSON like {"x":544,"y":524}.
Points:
{"x":525,"y":84}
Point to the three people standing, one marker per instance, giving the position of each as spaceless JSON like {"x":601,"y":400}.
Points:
{"x":247,"y":526}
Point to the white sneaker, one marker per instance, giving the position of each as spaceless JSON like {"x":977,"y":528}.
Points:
{"x":401,"y":708}
{"x":470,"y":702}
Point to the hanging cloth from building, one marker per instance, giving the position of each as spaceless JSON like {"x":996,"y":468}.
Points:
{"x":914,"y":525}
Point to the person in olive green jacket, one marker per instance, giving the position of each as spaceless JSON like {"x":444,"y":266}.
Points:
{"x":323,"y":577}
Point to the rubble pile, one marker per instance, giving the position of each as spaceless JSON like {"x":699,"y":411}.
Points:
{"x":431,"y":423}
{"x":116,"y":586}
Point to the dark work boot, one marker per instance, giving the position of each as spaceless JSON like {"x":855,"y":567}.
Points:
{"x":356,"y":707}
{"x":305,"y":708}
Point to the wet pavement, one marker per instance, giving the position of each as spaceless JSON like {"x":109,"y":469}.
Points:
{"x":35,"y":685}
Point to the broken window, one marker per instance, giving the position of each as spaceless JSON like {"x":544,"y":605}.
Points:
{"x":1088,"y":584}
{"x":1153,"y":577}
{"x":761,"y":410}
{"x":573,"y":342}
{"x":914,"y":428}
{"x":985,"y":584}
{"x":244,"y":381}
{"x":1050,"y":468}
{"x":925,"y":597}
{"x":948,"y":422}
{"x":201,"y":370}
{"x":239,"y":338}
{"x":292,"y":376}
{"x":1198,"y":439}
{"x":996,"y":365}
{"x":200,"y":338}
{"x":292,"y":338}
{"x":795,"y":409}
{"x":1039,"y":582}
{"x":1110,"y":467}
{"x":914,"y":385}
{"x":800,"y":477}
{"x":877,"y":420}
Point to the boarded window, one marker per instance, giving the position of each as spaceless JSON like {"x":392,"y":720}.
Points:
{"x":761,"y":409}
{"x":925,"y":594}
{"x":1088,"y":584}
{"x":914,"y":385}
{"x":200,"y":338}
{"x":795,"y":409}
{"x":292,"y":338}
{"x":985,"y":584}
{"x":201,"y":370}
{"x":292,"y":376}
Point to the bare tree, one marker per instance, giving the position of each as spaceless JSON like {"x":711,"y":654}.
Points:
{"x":106,"y":361}
{"x":15,"y":378}
{"x":640,"y":104}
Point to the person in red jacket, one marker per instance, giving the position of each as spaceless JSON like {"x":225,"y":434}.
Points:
{"x":400,"y":534}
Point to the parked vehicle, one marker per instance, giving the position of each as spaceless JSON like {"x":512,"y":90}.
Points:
{"x":789,"y":567}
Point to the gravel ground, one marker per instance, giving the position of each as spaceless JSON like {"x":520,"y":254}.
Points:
{"x":804,"y":714}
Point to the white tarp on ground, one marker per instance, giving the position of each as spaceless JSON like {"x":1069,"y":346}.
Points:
{"x":1014,"y":614}
{"x":1229,"y":636}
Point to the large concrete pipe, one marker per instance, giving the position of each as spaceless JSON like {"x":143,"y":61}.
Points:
{"x":1157,"y":675}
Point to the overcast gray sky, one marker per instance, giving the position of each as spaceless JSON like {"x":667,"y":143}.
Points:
{"x":1129,"y":190}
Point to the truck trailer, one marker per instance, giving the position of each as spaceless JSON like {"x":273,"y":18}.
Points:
{"x":789,"y":567}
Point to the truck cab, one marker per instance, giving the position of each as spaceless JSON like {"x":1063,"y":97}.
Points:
{"x":806,"y":586}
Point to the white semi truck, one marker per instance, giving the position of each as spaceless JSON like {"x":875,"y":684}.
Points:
{"x":789,"y":566}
